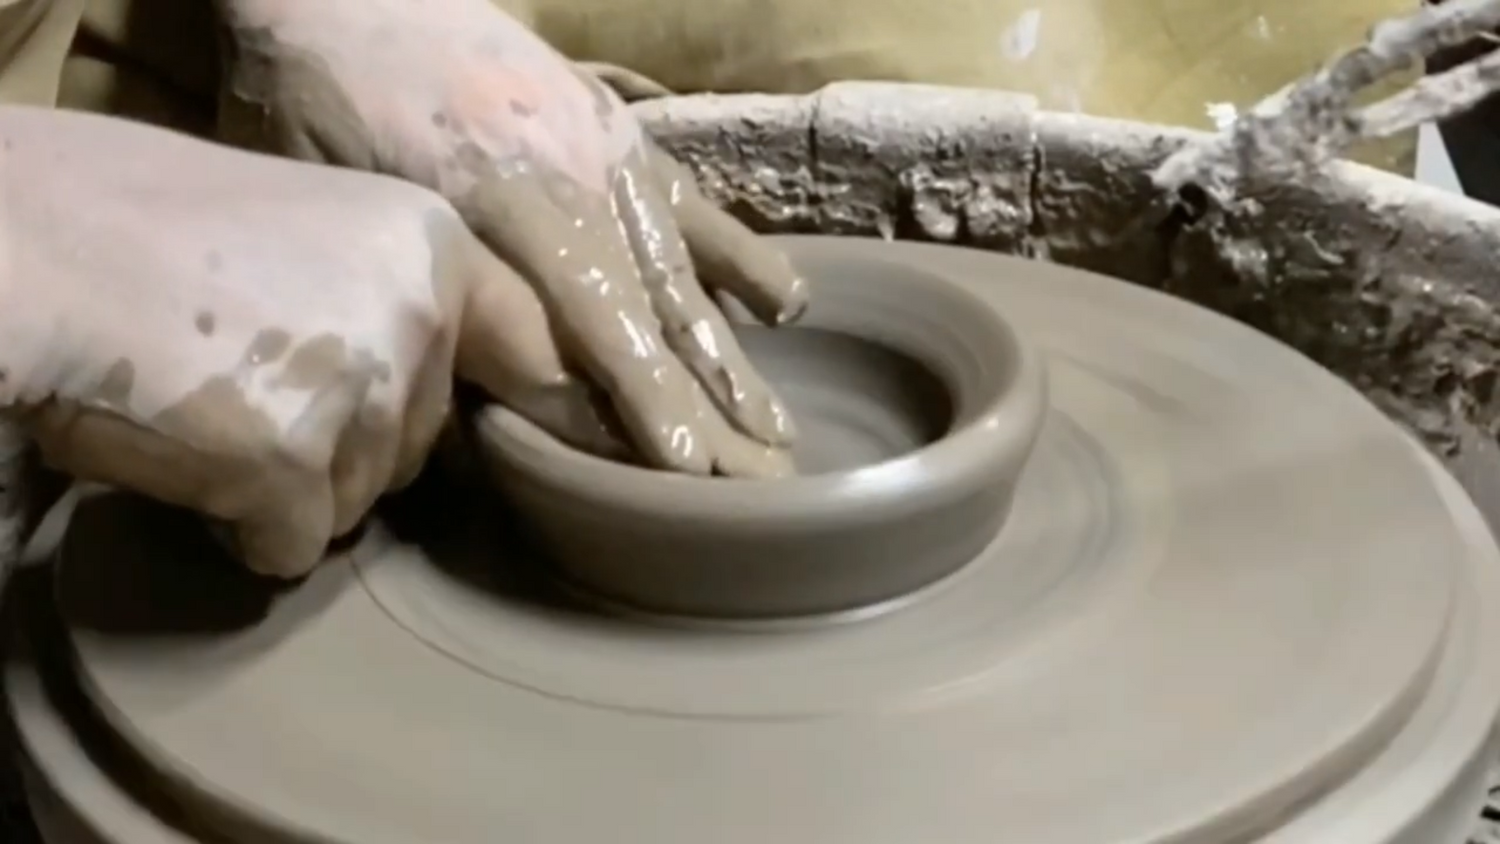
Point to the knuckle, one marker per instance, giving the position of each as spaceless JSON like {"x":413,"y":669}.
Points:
{"x":678,"y":267}
{"x":292,"y":467}
{"x":421,"y":320}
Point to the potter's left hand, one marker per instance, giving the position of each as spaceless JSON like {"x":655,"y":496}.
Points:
{"x":554,"y":174}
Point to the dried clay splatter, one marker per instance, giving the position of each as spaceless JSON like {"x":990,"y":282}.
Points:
{"x":1296,"y":131}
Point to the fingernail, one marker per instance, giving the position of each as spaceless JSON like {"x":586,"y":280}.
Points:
{"x":796,"y":305}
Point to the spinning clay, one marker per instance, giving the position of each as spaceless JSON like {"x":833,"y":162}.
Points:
{"x":1225,"y":598}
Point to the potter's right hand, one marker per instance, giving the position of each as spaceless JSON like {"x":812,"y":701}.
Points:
{"x":267,"y":342}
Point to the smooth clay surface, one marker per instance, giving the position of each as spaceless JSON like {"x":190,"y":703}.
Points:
{"x":1210,"y":541}
{"x":856,"y":403}
{"x":918,"y":401}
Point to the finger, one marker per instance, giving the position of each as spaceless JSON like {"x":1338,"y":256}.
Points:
{"x":363,"y":465}
{"x":99,"y":446}
{"x":314,"y":434}
{"x":629,"y":85}
{"x":506,"y":347}
{"x":566,"y":240}
{"x":287,"y":530}
{"x":692,"y":325}
{"x":739,"y":456}
{"x":729,"y":257}
{"x":356,"y":440}
{"x":281,"y":530}
{"x":286,"y":534}
{"x":428,"y":408}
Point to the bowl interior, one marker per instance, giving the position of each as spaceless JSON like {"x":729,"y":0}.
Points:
{"x":856,"y":402}
{"x":903,"y":386}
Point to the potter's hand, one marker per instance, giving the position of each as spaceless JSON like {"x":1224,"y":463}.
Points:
{"x":552,"y":172}
{"x":267,"y":342}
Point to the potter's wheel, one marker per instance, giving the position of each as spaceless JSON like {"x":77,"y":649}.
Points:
{"x":1250,"y":609}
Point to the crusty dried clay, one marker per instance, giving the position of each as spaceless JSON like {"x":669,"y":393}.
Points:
{"x":1297,"y":130}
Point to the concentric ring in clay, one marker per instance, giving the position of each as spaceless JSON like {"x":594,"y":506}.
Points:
{"x":1243,"y":611}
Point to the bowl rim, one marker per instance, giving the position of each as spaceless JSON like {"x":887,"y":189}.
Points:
{"x":994,"y":440}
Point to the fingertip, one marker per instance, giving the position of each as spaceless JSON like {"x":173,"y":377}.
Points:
{"x":755,"y":409}
{"x":783,"y":426}
{"x":736,"y":454}
{"x":795,"y":301}
{"x":281,"y":557}
{"x":743,"y":395}
{"x":735,"y":260}
{"x":289,"y":539}
{"x":762,"y":463}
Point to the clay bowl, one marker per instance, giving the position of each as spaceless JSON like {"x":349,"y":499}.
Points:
{"x":917,"y":404}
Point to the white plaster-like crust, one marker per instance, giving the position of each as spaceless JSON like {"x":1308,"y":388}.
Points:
{"x":1387,"y":282}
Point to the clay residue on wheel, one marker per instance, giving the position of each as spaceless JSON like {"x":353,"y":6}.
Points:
{"x":1386,"y":282}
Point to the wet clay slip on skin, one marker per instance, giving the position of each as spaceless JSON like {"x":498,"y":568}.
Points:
{"x":1230,"y":603}
{"x":917,"y":406}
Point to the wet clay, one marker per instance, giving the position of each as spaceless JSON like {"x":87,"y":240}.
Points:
{"x":921,"y":403}
{"x":693,"y":401}
{"x":1111,"y":641}
{"x":584,"y":215}
{"x":859,"y":403}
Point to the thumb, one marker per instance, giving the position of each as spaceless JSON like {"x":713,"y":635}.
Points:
{"x":288,"y":534}
{"x":506,"y":347}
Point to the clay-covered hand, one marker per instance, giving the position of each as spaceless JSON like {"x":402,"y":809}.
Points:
{"x":268,"y":342}
{"x":553,"y":173}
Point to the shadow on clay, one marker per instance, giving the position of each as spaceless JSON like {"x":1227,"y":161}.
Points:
{"x":34,"y":637}
{"x":140,"y":573}
{"x":144,"y":578}
{"x":473,"y":536}
{"x":131,"y":567}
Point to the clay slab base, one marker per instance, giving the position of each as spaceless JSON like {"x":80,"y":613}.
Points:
{"x":1253,"y":610}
